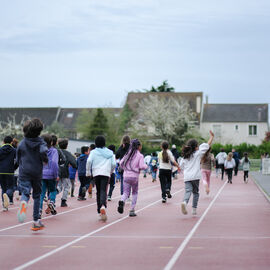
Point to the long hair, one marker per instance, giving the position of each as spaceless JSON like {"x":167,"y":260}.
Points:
{"x":206,"y":155}
{"x":125,"y":140}
{"x":246,"y":157}
{"x":189,"y":148}
{"x":133,"y":148}
{"x":165,"y":156}
{"x":230,"y":156}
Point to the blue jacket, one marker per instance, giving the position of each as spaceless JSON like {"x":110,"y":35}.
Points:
{"x":50,"y":170}
{"x":72,"y":172}
{"x":7,"y":159}
{"x":31,"y":153}
{"x":81,"y":164}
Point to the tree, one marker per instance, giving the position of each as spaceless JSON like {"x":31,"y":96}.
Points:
{"x":166,"y":118}
{"x":83,"y":124}
{"x":125,"y":118}
{"x":99,"y":126}
{"x":56,"y":129}
{"x":164,"y":87}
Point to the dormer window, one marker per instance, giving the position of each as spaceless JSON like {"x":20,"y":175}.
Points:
{"x":70,"y":115}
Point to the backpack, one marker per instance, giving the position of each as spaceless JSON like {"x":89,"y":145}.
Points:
{"x":62,"y":159}
{"x":154,"y":165}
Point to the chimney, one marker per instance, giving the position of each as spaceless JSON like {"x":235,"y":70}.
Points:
{"x":206,"y":99}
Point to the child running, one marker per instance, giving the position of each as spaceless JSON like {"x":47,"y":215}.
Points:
{"x":31,"y":153}
{"x":132,"y":163}
{"x":229,"y":165}
{"x":207,"y":162}
{"x":100,"y":164}
{"x":154,"y":166}
{"x":246,"y":166}
{"x":112,"y":178}
{"x":165,"y":160}
{"x":190,"y":164}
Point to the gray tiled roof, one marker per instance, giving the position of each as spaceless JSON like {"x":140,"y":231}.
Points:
{"x":235,"y":113}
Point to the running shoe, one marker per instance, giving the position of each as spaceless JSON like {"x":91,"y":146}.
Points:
{"x":37,"y":226}
{"x":184,"y":208}
{"x":83,"y":192}
{"x":169,"y":195}
{"x":5,"y":200}
{"x":103,"y":213}
{"x":22,"y":211}
{"x":51,"y":205}
{"x":132,"y":213}
{"x":109,"y":198}
{"x":120,"y":208}
{"x":164,"y":200}
{"x":194,"y":211}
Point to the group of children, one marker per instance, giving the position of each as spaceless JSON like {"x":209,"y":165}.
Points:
{"x":45,"y":171}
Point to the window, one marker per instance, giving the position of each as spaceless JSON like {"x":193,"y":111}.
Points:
{"x":70,"y":115}
{"x":252,"y":130}
{"x":236,"y":128}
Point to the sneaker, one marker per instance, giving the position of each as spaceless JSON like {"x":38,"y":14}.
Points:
{"x":164,"y":200}
{"x":17,"y":195}
{"x":120,"y":208}
{"x":64,"y":203}
{"x":11,"y":203}
{"x":184,"y":208}
{"x":5,"y":200}
{"x":72,"y":195}
{"x":80,"y":198}
{"x":169,"y":195}
{"x":194,"y":211}
{"x":132,"y":213}
{"x":37,"y":225}
{"x":22,"y":211}
{"x":5,"y":209}
{"x":103,"y":213}
{"x":90,"y":195}
{"x":48,"y":210}
{"x":51,"y":206}
{"x":109,"y":198}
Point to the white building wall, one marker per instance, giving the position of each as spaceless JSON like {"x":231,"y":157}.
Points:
{"x":229,"y":134}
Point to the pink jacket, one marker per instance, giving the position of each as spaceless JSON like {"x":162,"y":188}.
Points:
{"x":133,"y":167}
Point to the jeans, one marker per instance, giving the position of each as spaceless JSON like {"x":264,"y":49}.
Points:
{"x":101,"y":186}
{"x":131,"y":183}
{"x":6,"y":181}
{"x":112,"y":183}
{"x":165,"y":177}
{"x":192,"y":187}
{"x":26,"y":185}
{"x":154,"y":175}
{"x":64,"y":184}
{"x":50,"y":185}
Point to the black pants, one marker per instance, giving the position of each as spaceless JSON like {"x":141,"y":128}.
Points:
{"x":7,"y":182}
{"x":101,"y":186}
{"x":85,"y":182}
{"x":229,"y":173}
{"x":221,"y":166}
{"x":112,"y":183}
{"x":165,"y":177}
{"x":72,"y":181}
{"x":236,"y":168}
{"x":245,"y":175}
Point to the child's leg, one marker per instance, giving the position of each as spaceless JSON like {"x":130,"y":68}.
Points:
{"x":72,"y":181}
{"x":43,"y":192}
{"x":66,"y":187}
{"x":188,"y":191}
{"x":52,"y":189}
{"x":121,"y":184}
{"x":25,"y":187}
{"x":126,"y":190}
{"x":134,"y":186}
{"x":168,"y":180}
{"x":104,"y":180}
{"x":97,"y":181}
{"x":36,"y":185}
{"x":112,"y":183}
{"x":163,"y":181}
{"x":208,"y":176}
{"x":195,"y":191}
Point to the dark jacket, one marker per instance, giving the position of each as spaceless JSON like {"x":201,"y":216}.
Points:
{"x":175,"y":154}
{"x":121,"y":151}
{"x":81,"y":164}
{"x":69,"y":160}
{"x":7,"y":159}
{"x":31,"y":153}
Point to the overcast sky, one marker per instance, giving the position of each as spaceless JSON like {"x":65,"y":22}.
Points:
{"x":90,"y":53}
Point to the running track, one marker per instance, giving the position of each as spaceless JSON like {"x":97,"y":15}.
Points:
{"x":231,"y":231}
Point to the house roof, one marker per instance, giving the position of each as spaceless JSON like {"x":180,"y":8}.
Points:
{"x":235,"y":113}
{"x":47,"y":115}
{"x":134,"y":98}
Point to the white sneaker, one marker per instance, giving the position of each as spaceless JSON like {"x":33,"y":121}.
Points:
{"x":184,"y":208}
{"x":5,"y":200}
{"x":103,"y":214}
{"x":194,"y":211}
{"x":17,"y":195}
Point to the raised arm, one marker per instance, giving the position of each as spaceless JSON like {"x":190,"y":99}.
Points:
{"x":211,"y":137}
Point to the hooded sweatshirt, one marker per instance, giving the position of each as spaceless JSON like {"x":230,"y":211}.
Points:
{"x":31,"y":153}
{"x":50,"y":170}
{"x":132,"y":167}
{"x":81,"y":164}
{"x":101,"y":161}
{"x":7,"y":159}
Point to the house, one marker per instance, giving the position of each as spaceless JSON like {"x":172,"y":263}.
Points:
{"x":235,"y":123}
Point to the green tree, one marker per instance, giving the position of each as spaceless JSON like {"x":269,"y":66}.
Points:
{"x":83,"y":124}
{"x":164,"y":87}
{"x":125,"y":118}
{"x":99,"y":126}
{"x":57,"y":129}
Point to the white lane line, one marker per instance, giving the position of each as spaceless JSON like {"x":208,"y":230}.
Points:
{"x":84,"y":236}
{"x":180,"y":249}
{"x":66,"y":212}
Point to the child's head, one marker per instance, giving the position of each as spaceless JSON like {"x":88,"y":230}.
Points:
{"x":222,"y":150}
{"x":154,"y":154}
{"x":135,"y":146}
{"x":8,"y":139}
{"x":54,"y":140}
{"x":15,"y":143}
{"x":230,"y":156}
{"x":165,"y":147}
{"x":246,"y":156}
{"x":92,"y":146}
{"x":100,"y":141}
{"x":189,"y":148}
{"x":85,"y":150}
{"x":32,"y":128}
{"x":112,"y":147}
{"x":48,"y":139}
{"x":125,"y":140}
{"x":63,"y":143}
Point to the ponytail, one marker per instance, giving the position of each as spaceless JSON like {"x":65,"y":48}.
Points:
{"x":165,"y":156}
